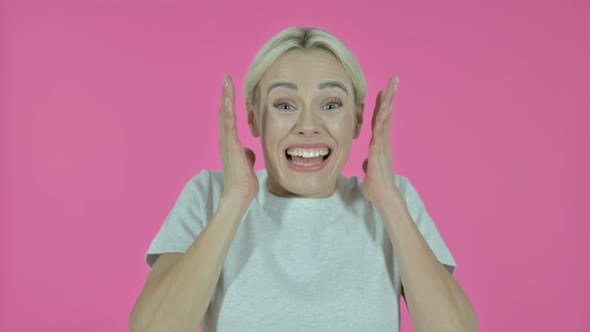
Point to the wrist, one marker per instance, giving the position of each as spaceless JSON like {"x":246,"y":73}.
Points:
{"x":390,"y":201}
{"x":235,"y":201}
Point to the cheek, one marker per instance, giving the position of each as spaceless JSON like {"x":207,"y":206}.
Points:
{"x":342,"y":128}
{"x":276,"y":126}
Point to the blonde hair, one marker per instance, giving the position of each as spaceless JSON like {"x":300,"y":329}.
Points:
{"x":304,"y":39}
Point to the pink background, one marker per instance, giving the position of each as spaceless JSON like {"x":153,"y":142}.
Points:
{"x":108,"y":108}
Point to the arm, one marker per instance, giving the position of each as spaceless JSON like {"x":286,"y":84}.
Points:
{"x":179,"y":288}
{"x":435,"y":300}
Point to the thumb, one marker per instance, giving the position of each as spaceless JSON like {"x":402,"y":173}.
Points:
{"x":365,"y":163}
{"x":250,"y":156}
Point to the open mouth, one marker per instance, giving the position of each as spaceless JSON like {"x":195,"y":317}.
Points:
{"x":308,"y":158}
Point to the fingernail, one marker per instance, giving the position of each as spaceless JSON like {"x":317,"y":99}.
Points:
{"x":396,"y":82}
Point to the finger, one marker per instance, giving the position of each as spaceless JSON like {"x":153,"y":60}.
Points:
{"x":377,"y":108}
{"x":387,"y":101}
{"x":222,"y":106}
{"x":365,"y":164}
{"x":376,"y":114}
{"x":382,"y":122}
{"x":230,"y":112}
{"x":251,"y":156}
{"x":222,"y":111}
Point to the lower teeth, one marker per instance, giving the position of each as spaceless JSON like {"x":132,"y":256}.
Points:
{"x":303,"y":164}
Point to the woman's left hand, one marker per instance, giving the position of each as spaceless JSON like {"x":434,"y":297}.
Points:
{"x":379,"y":183}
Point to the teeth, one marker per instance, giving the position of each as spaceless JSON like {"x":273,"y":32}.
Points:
{"x":308,"y":153}
{"x":302,"y":164}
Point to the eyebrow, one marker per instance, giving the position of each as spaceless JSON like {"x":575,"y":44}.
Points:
{"x":324,"y":85}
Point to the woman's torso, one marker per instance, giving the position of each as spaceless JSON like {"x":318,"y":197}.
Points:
{"x":306,"y":264}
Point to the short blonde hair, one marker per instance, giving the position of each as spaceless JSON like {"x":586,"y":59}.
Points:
{"x":304,"y":39}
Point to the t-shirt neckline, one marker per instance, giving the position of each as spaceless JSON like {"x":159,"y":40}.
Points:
{"x":326,"y":205}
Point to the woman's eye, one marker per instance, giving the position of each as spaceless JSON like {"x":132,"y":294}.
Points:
{"x":332,"y":105}
{"x":284,"y":106}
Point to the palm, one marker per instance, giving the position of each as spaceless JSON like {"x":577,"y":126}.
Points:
{"x":379,"y":176}
{"x":238,"y":162}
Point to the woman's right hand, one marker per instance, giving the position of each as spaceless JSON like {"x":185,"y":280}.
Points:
{"x":240,"y":181}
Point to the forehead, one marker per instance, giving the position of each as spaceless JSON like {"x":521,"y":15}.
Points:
{"x":306,"y":68}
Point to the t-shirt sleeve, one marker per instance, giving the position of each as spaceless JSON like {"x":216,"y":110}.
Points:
{"x":426,"y":225}
{"x":184,"y":222}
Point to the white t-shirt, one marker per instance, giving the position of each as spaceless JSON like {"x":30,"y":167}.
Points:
{"x":300,"y":264}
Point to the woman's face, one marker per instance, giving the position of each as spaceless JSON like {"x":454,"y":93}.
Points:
{"x":307,"y":118}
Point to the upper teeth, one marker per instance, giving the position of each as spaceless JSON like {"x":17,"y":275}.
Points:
{"x":308,"y":153}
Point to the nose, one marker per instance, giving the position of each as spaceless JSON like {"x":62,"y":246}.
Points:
{"x":309,"y":123}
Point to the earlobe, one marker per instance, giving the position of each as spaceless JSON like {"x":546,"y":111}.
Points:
{"x":358,"y":123}
{"x":252,"y":121}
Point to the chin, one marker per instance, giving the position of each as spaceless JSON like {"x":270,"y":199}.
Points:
{"x":321,"y":183}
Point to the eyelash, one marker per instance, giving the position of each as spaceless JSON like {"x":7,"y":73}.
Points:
{"x":330,"y":101}
{"x":334,"y":101}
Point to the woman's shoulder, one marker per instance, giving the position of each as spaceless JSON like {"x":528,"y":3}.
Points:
{"x":401,"y":181}
{"x":205,"y":183}
{"x":203,"y":191}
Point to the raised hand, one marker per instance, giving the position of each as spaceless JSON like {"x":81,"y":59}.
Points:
{"x":240,"y":181}
{"x":379,"y":183}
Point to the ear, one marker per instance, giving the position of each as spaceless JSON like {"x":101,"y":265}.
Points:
{"x":358,"y":117}
{"x":252,"y":120}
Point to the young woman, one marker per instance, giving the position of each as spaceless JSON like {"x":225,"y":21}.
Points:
{"x":298,"y":246}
